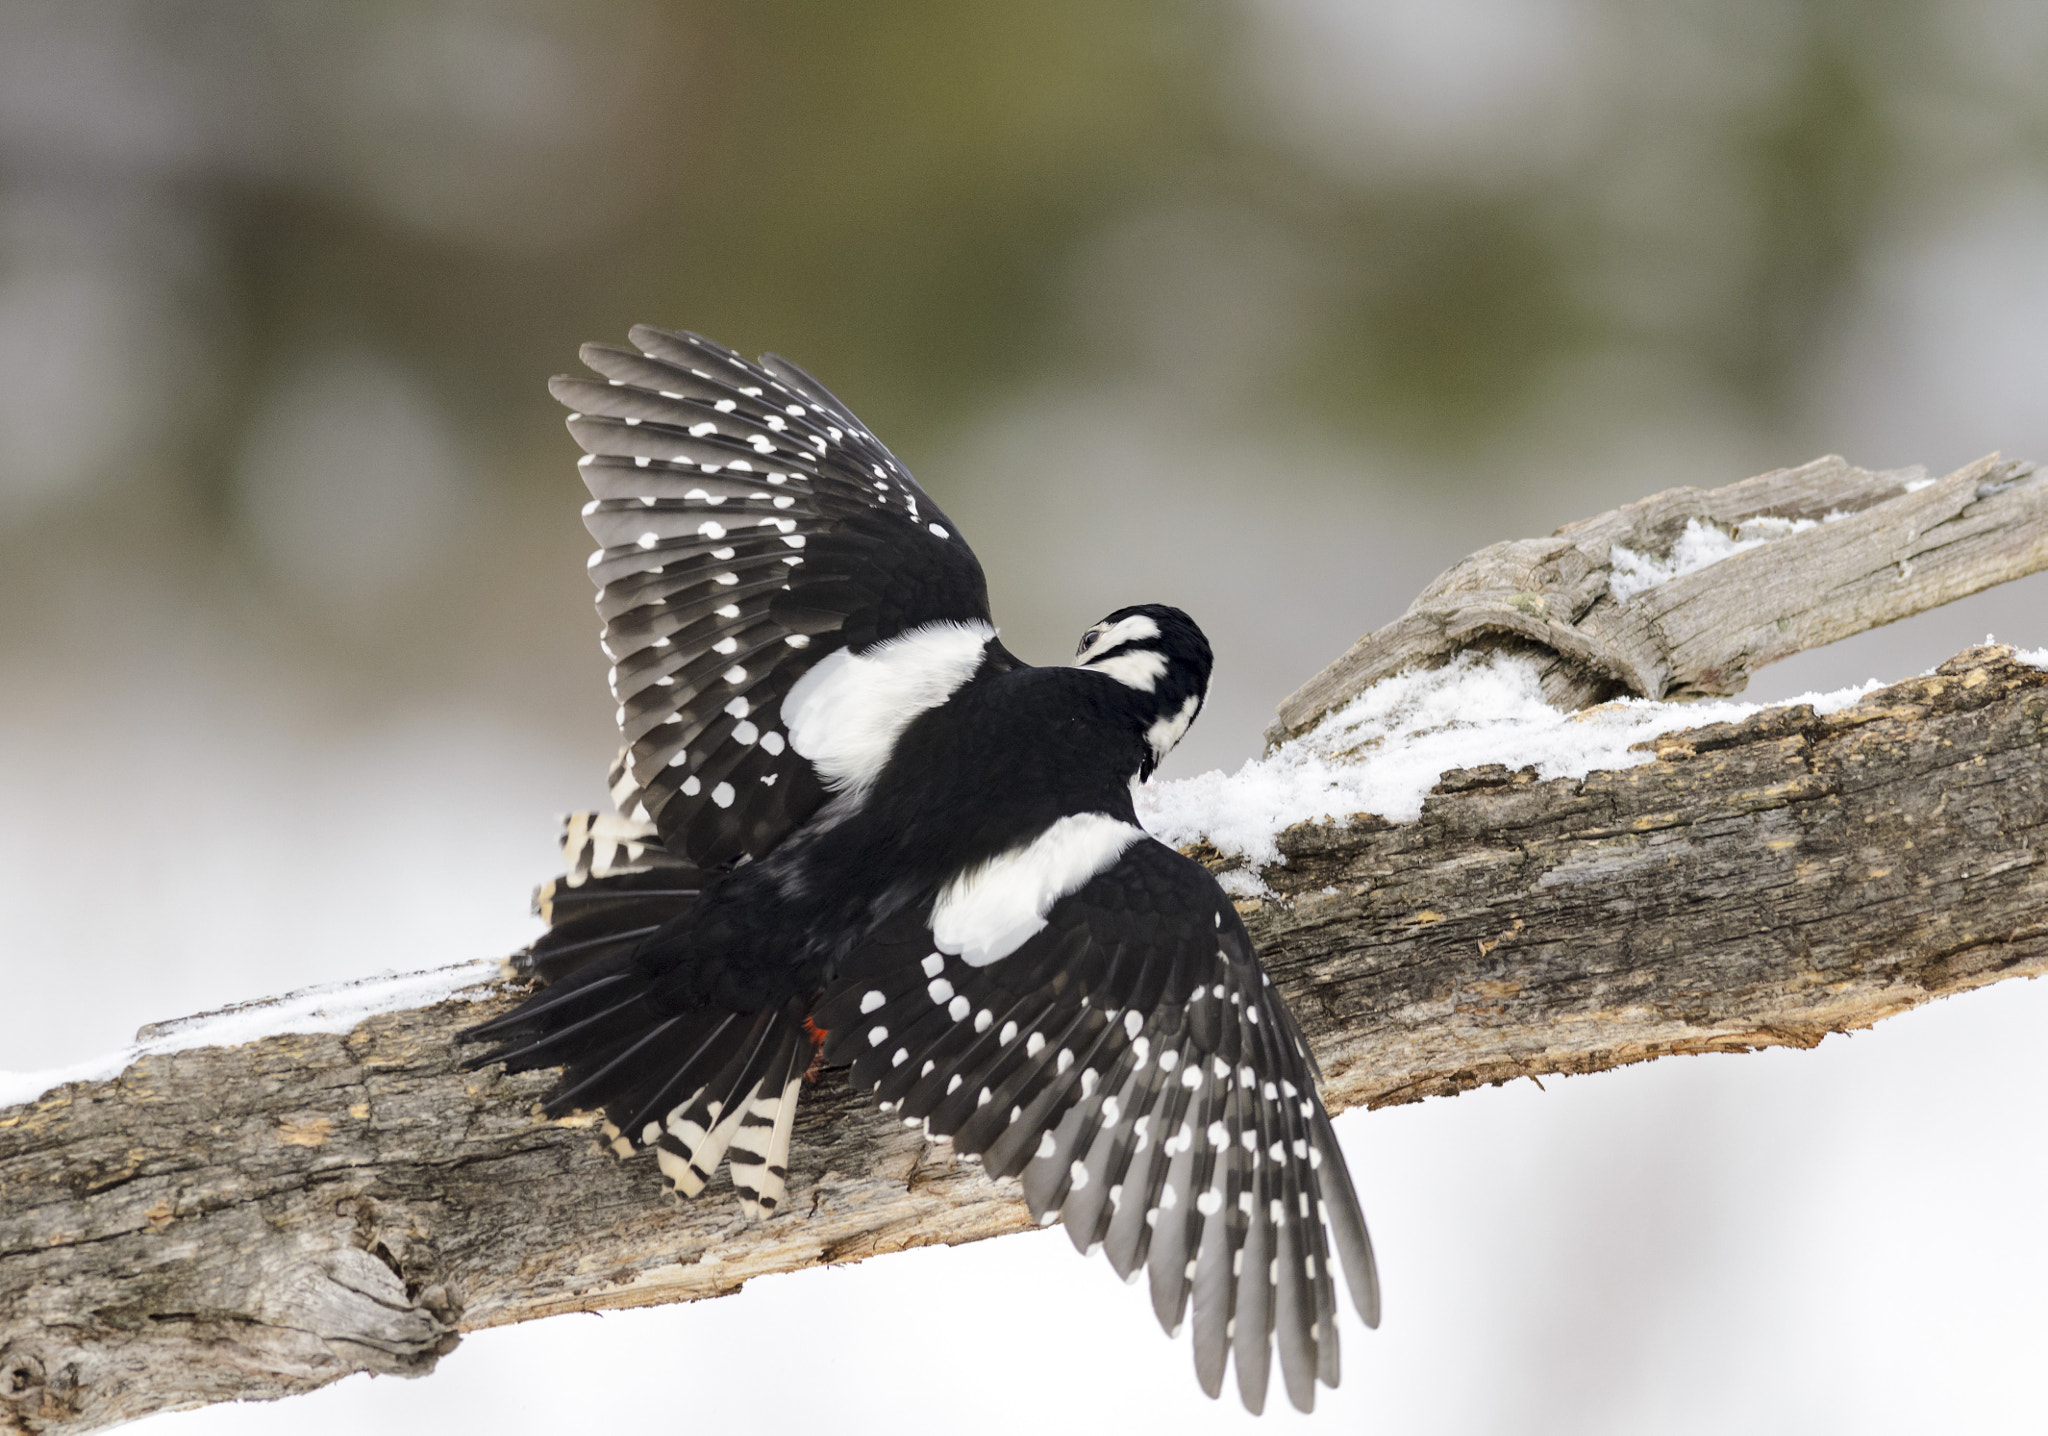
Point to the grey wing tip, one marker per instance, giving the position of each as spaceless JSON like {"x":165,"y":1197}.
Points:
{"x":1347,"y":1226}
{"x":639,"y":332}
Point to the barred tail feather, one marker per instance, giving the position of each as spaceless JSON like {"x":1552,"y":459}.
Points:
{"x":618,"y":885}
{"x":746,"y":1108}
{"x":760,"y":1148}
{"x":689,"y":1086}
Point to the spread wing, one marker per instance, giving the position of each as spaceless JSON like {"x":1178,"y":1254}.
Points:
{"x":1134,"y":1064}
{"x":749,"y":526}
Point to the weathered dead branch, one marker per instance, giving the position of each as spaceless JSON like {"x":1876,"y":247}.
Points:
{"x":1882,"y":546}
{"x":260,"y":1220}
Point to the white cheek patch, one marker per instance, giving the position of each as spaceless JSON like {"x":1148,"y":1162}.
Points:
{"x":846,"y":714}
{"x":1126,"y":630}
{"x":1140,"y":668}
{"x":988,"y":912}
{"x":1163,"y":734}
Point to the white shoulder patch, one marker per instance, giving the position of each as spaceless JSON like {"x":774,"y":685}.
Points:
{"x":846,"y":714}
{"x":989,"y":911}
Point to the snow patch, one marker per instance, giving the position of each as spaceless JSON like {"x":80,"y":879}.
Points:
{"x":336,"y":1007}
{"x":1700,"y":545}
{"x":1382,"y":752}
{"x":2032,"y":657}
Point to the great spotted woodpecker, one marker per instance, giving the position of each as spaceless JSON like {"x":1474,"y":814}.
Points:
{"x":848,"y":815}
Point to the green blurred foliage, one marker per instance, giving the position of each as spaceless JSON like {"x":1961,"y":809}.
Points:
{"x":892,"y":194}
{"x":905,"y":198}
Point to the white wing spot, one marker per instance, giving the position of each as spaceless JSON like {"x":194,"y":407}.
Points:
{"x":939,"y":529}
{"x":871,"y":1000}
{"x":722,"y":795}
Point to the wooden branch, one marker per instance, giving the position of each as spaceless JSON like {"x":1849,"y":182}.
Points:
{"x":1880,"y":547}
{"x":253,"y":1221}
{"x":259,"y":1220}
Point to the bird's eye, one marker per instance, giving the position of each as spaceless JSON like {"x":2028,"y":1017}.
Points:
{"x":1087,"y":638}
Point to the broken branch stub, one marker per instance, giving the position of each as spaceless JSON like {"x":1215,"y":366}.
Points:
{"x":1850,"y":550}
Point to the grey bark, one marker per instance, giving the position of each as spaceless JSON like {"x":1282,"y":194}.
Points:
{"x":1883,"y":546}
{"x":255,"y":1221}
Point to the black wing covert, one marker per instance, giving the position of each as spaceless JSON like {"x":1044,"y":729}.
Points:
{"x":1134,"y":1065}
{"x":750,"y":525}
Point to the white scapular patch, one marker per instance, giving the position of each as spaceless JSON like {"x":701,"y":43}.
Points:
{"x":991,"y":910}
{"x":1166,"y":732}
{"x":846,"y":714}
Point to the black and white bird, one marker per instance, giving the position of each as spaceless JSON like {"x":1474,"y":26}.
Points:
{"x":849,"y":817}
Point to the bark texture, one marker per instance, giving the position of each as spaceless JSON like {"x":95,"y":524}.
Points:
{"x":255,"y":1221}
{"x":1875,"y":548}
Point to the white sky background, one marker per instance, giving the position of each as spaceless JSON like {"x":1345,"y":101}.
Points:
{"x":1840,"y":1240}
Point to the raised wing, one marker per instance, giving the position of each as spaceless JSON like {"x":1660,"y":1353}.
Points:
{"x":1133,"y":1063}
{"x":749,"y":526}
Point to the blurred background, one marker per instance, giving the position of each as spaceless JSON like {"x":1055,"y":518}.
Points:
{"x":1269,"y":308}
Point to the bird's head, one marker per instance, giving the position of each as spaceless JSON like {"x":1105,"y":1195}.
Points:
{"x":1159,"y":653}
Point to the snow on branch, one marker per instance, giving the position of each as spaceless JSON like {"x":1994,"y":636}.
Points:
{"x":1453,"y":882}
